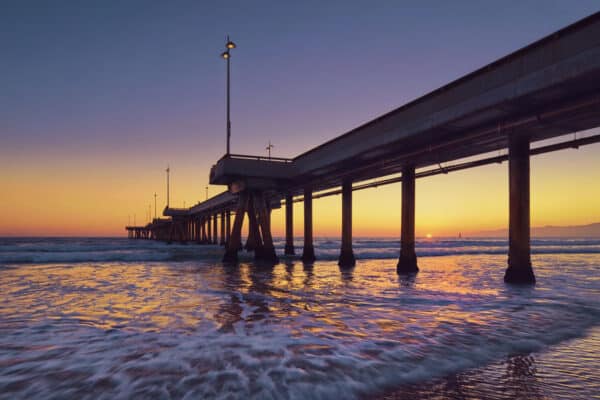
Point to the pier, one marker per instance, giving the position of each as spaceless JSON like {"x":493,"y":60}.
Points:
{"x":549,"y":89}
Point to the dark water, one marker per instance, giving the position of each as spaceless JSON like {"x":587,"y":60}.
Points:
{"x":117,"y":318}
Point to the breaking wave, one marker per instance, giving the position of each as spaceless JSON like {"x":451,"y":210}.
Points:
{"x":67,"y":250}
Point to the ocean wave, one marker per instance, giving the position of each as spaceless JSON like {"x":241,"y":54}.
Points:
{"x":31,"y":251}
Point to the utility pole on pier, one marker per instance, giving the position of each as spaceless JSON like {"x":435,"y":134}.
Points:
{"x":168,"y":170}
{"x":154,"y":205}
{"x":268,"y":148}
{"x":227,"y":56}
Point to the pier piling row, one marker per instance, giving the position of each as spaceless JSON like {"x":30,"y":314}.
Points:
{"x":549,"y":89}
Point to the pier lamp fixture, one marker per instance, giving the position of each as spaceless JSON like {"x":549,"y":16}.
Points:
{"x":227,"y":56}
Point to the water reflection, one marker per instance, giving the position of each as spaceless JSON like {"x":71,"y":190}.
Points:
{"x":288,"y":330}
{"x":347,"y":274}
{"x":407,"y":280}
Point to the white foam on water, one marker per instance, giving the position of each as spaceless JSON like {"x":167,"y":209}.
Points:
{"x":64,"y":250}
{"x":202,"y":330}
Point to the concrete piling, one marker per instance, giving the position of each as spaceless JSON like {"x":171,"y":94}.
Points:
{"x":519,"y":268}
{"x":346,"y":258}
{"x":407,"y":263}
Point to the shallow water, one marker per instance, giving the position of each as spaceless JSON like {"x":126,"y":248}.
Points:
{"x":193,"y":328}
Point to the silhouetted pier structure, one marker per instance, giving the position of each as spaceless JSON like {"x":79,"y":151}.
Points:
{"x":545,"y":90}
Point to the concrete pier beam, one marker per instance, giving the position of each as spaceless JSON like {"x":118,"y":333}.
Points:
{"x":215,"y":234}
{"x":519,"y":248}
{"x":222,"y":242}
{"x":346,"y":253}
{"x":407,"y":264}
{"x":289,"y":225}
{"x":308,"y":253}
{"x":235,"y":240}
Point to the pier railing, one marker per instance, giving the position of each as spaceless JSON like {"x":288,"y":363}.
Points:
{"x":258,"y":158}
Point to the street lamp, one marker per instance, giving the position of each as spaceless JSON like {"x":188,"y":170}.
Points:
{"x":227,"y":56}
{"x":168,"y":171}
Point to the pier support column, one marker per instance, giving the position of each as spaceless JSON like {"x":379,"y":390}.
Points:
{"x":346,"y":254}
{"x":222,"y":242}
{"x":198,"y":230}
{"x":235,"y":240}
{"x":407,"y":263}
{"x":208,"y":229}
{"x":227,"y":226}
{"x":267,"y":250}
{"x":215,"y":234}
{"x":254,"y":236}
{"x":519,"y":260}
{"x":252,"y":228}
{"x":308,"y":253}
{"x":289,"y":225}
{"x":203,"y":230}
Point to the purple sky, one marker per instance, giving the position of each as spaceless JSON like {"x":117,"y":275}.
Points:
{"x":107,"y":89}
{"x":138,"y":75}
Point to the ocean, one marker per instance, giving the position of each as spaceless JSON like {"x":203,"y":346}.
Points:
{"x":115,"y":318}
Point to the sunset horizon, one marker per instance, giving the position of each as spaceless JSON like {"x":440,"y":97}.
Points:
{"x":300,"y":200}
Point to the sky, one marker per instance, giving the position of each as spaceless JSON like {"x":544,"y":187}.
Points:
{"x":97,"y":98}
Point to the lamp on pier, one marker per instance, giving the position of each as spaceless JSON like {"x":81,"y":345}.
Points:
{"x":227,"y":56}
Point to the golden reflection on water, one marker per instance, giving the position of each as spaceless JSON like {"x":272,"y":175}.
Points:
{"x":455,"y":305}
{"x":179,"y":296}
{"x":356,"y":302}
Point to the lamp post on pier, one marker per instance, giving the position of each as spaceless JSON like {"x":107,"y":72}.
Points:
{"x":168,"y":170}
{"x":227,"y":56}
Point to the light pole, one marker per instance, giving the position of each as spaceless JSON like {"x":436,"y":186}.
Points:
{"x":155,"y":205}
{"x":227,"y":56}
{"x":269,"y":147}
{"x":207,"y":193}
{"x":168,"y":170}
